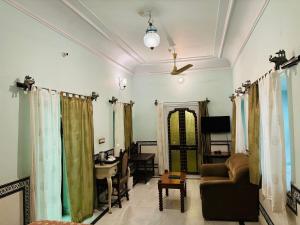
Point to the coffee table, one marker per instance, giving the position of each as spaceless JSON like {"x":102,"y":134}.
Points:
{"x":178,"y":181}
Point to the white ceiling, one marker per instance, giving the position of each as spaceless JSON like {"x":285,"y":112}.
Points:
{"x":207,"y":33}
{"x":191,"y":25}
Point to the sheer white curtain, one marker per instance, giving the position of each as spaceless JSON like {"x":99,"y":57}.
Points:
{"x":163,"y":157}
{"x":119,"y":134}
{"x":240,"y":146}
{"x":246,"y":111}
{"x":46,"y":150}
{"x":272,"y":142}
{"x":264,"y":104}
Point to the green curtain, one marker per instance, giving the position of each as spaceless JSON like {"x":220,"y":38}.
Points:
{"x":204,"y":139}
{"x":65,"y":187}
{"x":128,"y":125}
{"x":233,"y":127}
{"x":78,"y":135}
{"x":253,"y":134}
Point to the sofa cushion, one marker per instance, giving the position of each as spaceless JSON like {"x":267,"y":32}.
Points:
{"x":238,"y":168}
{"x":203,"y":179}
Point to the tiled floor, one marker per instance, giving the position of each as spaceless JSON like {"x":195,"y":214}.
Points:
{"x":142,"y":209}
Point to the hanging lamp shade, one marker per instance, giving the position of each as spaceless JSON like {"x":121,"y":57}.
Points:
{"x":151,"y":38}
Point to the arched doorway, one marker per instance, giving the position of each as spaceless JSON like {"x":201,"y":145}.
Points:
{"x":183,"y":140}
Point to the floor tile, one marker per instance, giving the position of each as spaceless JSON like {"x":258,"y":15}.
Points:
{"x":142,"y":209}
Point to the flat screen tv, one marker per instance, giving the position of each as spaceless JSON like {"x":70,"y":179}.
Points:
{"x":215,"y":124}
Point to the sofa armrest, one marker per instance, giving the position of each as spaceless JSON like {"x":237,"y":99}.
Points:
{"x":216,"y":185}
{"x":216,"y":188}
{"x":214,"y":170}
{"x":226,"y":200}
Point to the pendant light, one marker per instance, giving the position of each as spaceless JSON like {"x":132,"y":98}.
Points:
{"x":151,"y":38}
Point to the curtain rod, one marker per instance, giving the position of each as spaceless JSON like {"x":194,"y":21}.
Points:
{"x":246,"y":85}
{"x":156,"y":102}
{"x":280,"y":63}
{"x":29,"y":82}
{"x":113,"y":100}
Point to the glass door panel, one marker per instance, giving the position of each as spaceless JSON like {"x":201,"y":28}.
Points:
{"x":192,"y":161}
{"x":190,"y":132}
{"x":174,"y":129}
{"x":175,"y":164}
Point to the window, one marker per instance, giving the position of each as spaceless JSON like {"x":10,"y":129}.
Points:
{"x":287,"y":133}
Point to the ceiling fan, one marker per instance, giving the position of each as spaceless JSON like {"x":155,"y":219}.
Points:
{"x":171,"y":49}
{"x":176,"y":71}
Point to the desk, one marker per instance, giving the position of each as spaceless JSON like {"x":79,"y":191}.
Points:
{"x":140,"y":161}
{"x":106,"y":171}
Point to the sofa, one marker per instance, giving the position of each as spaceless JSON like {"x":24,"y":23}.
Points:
{"x":226,"y":192}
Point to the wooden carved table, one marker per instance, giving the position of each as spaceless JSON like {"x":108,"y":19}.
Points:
{"x":106,"y":171}
{"x":178,"y":181}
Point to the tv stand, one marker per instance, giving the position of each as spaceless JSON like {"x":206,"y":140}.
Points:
{"x":217,"y":157}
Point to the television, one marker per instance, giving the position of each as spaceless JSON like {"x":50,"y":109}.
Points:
{"x":215,"y":124}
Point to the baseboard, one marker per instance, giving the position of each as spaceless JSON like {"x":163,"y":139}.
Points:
{"x":265,"y":215}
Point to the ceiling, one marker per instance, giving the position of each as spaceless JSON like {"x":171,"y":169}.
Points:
{"x":207,"y":33}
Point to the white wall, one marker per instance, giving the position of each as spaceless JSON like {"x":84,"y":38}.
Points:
{"x":277,"y":29}
{"x":216,"y":85}
{"x":27,"y":47}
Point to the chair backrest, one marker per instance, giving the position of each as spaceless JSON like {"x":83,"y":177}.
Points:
{"x":133,"y":149}
{"x":123,"y":164}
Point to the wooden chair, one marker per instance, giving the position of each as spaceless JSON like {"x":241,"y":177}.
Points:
{"x":121,"y":178}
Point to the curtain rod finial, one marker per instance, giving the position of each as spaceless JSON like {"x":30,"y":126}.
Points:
{"x":113,"y":100}
{"x":232,"y":97}
{"x":94,"y":96}
{"x":27,"y":84}
{"x":156,"y":102}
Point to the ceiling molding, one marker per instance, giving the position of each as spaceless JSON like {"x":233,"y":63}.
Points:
{"x":47,"y":24}
{"x":226,"y":25}
{"x":261,"y":12}
{"x":109,"y":45}
{"x":90,"y":17}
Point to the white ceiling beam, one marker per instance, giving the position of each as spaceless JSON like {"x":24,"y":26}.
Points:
{"x":226,"y":25}
{"x":258,"y":17}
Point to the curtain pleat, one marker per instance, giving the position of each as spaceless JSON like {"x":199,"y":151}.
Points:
{"x":233,"y":127}
{"x":46,"y":155}
{"x":277,"y":148}
{"x":204,"y":139}
{"x":264,"y":103}
{"x":240,"y":140}
{"x":78,"y":135}
{"x":272,"y":142}
{"x":119,"y":135}
{"x":128,"y":125}
{"x":253,"y":134}
{"x":163,"y":155}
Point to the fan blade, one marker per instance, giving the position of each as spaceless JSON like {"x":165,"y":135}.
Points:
{"x":182,"y":69}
